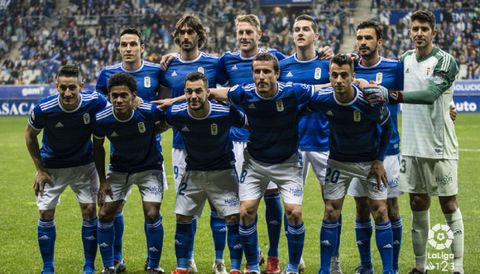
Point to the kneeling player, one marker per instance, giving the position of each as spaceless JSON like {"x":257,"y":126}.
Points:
{"x":135,"y":158}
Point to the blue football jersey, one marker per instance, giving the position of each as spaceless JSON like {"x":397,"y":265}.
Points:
{"x":273,"y":121}
{"x":313,"y":128}
{"x":233,"y":69}
{"x":67,"y":135}
{"x":388,"y":73}
{"x":207,"y":140}
{"x":133,"y":146}
{"x":174,"y":79}
{"x":354,"y":134}
{"x":147,"y":77}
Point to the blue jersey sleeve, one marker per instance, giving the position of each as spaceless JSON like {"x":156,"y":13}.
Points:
{"x":303,"y":93}
{"x":158,"y":114}
{"x":238,"y":118}
{"x":101,"y":86}
{"x":163,"y":80}
{"x":221,"y":74}
{"x":399,"y":77}
{"x":36,"y":119}
{"x":98,"y":130}
{"x":235,"y":95}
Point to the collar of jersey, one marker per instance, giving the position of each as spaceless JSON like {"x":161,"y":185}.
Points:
{"x":132,"y":71}
{"x":372,"y":66}
{"x":268,"y":98}
{"x":423,"y":58}
{"x":122,"y":121}
{"x":251,"y":58}
{"x":73,"y":110}
{"x":305,"y":61}
{"x":348,"y":103}
{"x":201,"y":118}
{"x":189,"y":61}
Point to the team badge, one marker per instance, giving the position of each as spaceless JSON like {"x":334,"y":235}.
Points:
{"x":357,"y":116}
{"x":214,"y":129}
{"x":379,"y":78}
{"x":201,"y":70}
{"x":147,"y":82}
{"x":318,"y":73}
{"x":141,"y":127}
{"x":279,"y":104}
{"x":86,"y":118}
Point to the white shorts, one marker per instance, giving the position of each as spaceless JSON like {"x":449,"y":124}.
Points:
{"x":287,"y":176}
{"x":220,"y":187}
{"x":392,"y":167}
{"x":178,"y":165}
{"x":318,"y":161}
{"x":435,"y":177}
{"x":81,"y":179}
{"x":149,"y":182}
{"x":340,"y":175}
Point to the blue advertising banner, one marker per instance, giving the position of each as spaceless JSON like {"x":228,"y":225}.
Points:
{"x":456,"y":14}
{"x":286,"y":2}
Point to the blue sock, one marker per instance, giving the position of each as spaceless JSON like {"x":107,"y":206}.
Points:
{"x":363,"y":233}
{"x":296,"y":239}
{"x":397,"y":241}
{"x":183,"y":239}
{"x":219,"y":233}
{"x":46,"y":233}
{"x":384,"y":237}
{"x":89,"y":240}
{"x":335,"y":251}
{"x":191,"y":248}
{"x":235,"y":247}
{"x":106,"y":235}
{"x":249,"y":241}
{"x":273,"y":217}
{"x":328,"y":241}
{"x":118,"y":223}
{"x":154,"y":234}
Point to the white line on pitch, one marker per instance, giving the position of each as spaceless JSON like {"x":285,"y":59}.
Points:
{"x":470,"y":149}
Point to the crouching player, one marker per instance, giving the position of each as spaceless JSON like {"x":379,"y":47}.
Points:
{"x":356,"y":154}
{"x":135,"y":158}
{"x":210,"y":173}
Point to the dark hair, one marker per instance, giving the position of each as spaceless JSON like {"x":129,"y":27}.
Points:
{"x":267,"y":57}
{"x":424,"y":16}
{"x":70,"y":70}
{"x":193,"y":22}
{"x":372,"y":24}
{"x":309,"y":18}
{"x":122,"y":79}
{"x":195,"y":76}
{"x":342,"y":59}
{"x":132,"y":31}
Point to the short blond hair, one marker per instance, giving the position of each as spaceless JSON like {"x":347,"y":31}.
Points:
{"x":252,"y":19}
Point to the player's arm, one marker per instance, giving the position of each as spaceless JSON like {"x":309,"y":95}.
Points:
{"x":377,"y":169}
{"x":167,"y":102}
{"x":167,"y":59}
{"x":325,"y":53}
{"x":320,"y":86}
{"x":41,"y":176}
{"x":219,"y":94}
{"x":99,"y":159}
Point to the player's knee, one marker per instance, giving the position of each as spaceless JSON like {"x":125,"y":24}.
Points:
{"x":393,"y":209}
{"x":448,"y":204}
{"x":232,"y":219}
{"x":294,"y":214}
{"x":331,"y":213}
{"x":88,"y":211}
{"x":419,"y":202}
{"x":183,"y":218}
{"x":47,"y":214}
{"x":380,"y":212}
{"x":151,"y":214}
{"x":247,"y":215}
{"x":105,"y":216}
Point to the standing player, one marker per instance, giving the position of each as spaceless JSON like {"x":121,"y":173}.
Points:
{"x":429,"y":145}
{"x":305,"y":67}
{"x":357,"y":151}
{"x":147,"y":76}
{"x":65,"y":159}
{"x":210,"y":172}
{"x":388,"y":73}
{"x":190,"y":36}
{"x":135,"y":158}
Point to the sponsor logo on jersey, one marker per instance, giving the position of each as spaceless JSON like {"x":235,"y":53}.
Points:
{"x":289,"y":74}
{"x":357,"y":116}
{"x":214,"y":129}
{"x":279,"y":104}
{"x":379,"y":78}
{"x":141,"y":127}
{"x":201,"y":70}
{"x":147,"y":82}
{"x":86,"y":118}
{"x":58,"y":125}
{"x":114,"y":134}
{"x":174,"y":73}
{"x":234,"y":67}
{"x":317,"y":74}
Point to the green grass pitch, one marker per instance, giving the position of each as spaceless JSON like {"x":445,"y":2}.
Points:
{"x":18,"y":216}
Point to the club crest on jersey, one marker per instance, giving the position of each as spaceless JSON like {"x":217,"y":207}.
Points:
{"x":318,"y":73}
{"x":214,"y":129}
{"x":357,"y":116}
{"x":147,"y":82}
{"x":141,"y":127}
{"x":279,"y":104}
{"x":379,"y":78}
{"x":201,"y":70}
{"x":86,"y":118}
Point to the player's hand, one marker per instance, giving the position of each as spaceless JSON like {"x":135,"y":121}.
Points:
{"x":378,"y":172}
{"x":163,"y":103}
{"x":360,"y":82}
{"x":375,"y":94}
{"x":325,"y":53}
{"x":137,"y":102}
{"x":41,"y":178}
{"x":166,"y":60}
{"x":104,"y":190}
{"x":453,"y":113}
